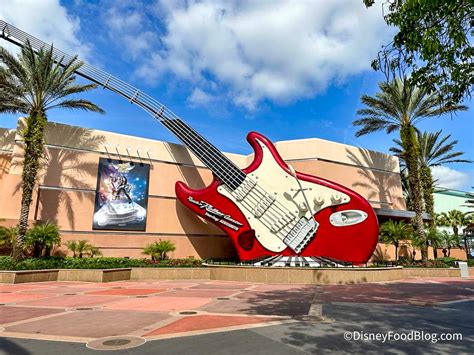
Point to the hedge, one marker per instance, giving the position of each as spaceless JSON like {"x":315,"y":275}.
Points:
{"x":6,"y":263}
{"x":435,"y":263}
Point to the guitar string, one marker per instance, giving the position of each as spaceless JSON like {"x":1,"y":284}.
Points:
{"x":278,"y":215}
{"x":122,"y":86}
{"x":249,"y":207}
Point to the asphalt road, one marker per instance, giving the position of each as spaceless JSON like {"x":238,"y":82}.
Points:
{"x":308,"y":337}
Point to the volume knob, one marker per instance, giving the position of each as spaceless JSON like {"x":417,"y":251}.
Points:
{"x":336,"y":198}
{"x":318,"y":201}
{"x":302,"y":207}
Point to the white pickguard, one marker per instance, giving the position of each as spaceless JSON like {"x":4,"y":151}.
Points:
{"x":274,"y":180}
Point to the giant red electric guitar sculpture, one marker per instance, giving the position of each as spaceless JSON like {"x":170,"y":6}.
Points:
{"x":266,"y":209}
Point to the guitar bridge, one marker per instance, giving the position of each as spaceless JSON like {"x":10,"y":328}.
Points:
{"x":300,"y":235}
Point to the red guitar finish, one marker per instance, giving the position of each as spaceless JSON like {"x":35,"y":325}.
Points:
{"x":352,"y":243}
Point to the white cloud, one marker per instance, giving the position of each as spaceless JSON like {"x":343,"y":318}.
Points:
{"x":200,"y":98}
{"x":46,"y":20}
{"x":265,"y":50}
{"x":450,"y":178}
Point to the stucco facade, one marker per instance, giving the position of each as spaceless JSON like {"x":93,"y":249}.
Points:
{"x":67,"y":183}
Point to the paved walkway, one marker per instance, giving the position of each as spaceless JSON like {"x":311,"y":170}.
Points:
{"x":77,"y":312}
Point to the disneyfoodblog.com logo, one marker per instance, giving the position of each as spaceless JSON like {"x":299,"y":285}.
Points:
{"x":414,"y":335}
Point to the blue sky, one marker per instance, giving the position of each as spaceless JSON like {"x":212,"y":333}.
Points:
{"x":289,"y":70}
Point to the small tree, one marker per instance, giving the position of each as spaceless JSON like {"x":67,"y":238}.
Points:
{"x":434,"y":237}
{"x":83,"y":246}
{"x":392,"y":232}
{"x":42,"y":238}
{"x":448,"y":241}
{"x":159,"y":250}
{"x":416,"y":242}
{"x":94,"y":251}
{"x":72,"y":246}
{"x":8,"y":238}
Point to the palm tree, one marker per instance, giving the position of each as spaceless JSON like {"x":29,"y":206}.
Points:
{"x":434,"y":151}
{"x":448,"y":241}
{"x":94,"y":251}
{"x":33,"y":84}
{"x":82,"y":247}
{"x":393,"y":232}
{"x":42,"y":238}
{"x":159,"y":250}
{"x":400,"y":106}
{"x":435,"y":239}
{"x":72,"y":246}
{"x":7,"y":238}
{"x":455,"y":219}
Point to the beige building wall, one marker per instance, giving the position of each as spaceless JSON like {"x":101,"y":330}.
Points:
{"x":67,"y":183}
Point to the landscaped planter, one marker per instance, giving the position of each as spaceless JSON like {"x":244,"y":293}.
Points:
{"x":22,"y":276}
{"x":432,"y":272}
{"x":94,"y":275}
{"x":269,"y":275}
{"x":87,"y":275}
{"x":163,"y":273}
{"x":315,"y":276}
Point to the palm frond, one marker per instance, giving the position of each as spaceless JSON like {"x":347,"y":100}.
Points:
{"x":77,"y":104}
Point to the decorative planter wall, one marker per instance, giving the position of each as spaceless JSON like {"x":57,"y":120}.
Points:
{"x":170,"y":273}
{"x":269,"y":275}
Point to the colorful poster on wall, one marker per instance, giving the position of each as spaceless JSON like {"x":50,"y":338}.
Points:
{"x":121,"y":195}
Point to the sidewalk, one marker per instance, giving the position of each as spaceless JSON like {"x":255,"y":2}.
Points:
{"x":82,"y":312}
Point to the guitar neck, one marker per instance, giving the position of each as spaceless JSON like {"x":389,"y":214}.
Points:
{"x":210,"y":156}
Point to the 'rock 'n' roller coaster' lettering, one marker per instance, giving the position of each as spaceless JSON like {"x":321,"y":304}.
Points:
{"x":214,"y":213}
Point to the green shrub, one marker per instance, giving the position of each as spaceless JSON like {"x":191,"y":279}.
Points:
{"x":8,"y":238}
{"x":436,"y":263}
{"x":6,"y":263}
{"x":41,"y":238}
{"x":159,"y":250}
{"x":448,"y":261}
{"x":81,"y":247}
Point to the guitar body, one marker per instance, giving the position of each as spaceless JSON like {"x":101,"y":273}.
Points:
{"x":353,"y":240}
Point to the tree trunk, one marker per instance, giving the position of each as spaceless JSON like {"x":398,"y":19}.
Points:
{"x":33,"y":137}
{"x":396,"y":253}
{"x":36,"y":250}
{"x":435,"y":252}
{"x":411,"y":157}
{"x":427,"y":185}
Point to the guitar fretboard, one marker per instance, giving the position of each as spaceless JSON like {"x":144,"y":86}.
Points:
{"x":218,"y":163}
